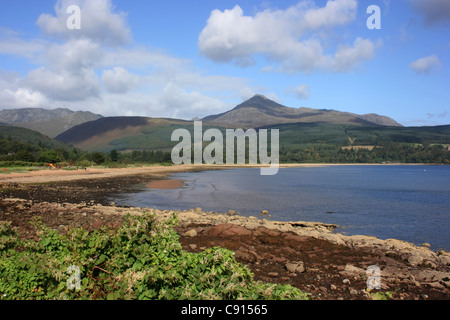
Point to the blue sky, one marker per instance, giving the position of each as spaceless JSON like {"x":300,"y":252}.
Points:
{"x":188,"y":59}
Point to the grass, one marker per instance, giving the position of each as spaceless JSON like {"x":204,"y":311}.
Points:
{"x":8,"y":170}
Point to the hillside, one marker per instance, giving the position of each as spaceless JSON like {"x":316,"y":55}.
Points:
{"x":261,"y":111}
{"x":123,"y":133}
{"x":31,"y":137}
{"x":299,"y":129}
{"x":46,"y":121}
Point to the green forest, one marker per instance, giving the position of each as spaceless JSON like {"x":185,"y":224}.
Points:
{"x":305,"y":143}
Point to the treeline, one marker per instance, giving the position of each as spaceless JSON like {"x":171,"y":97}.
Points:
{"x":13,"y":152}
{"x":18,"y":153}
{"x":392,"y":152}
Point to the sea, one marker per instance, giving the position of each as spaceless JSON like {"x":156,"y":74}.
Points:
{"x":406,"y":202}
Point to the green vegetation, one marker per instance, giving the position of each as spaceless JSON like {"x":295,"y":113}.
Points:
{"x":326,"y":143}
{"x":299,"y":143}
{"x":21,"y":147}
{"x":140,"y":260}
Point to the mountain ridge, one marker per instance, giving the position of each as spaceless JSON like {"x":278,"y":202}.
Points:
{"x":261,"y":111}
{"x":50,"y":122}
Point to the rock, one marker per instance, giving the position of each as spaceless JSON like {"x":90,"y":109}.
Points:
{"x":333,"y":287}
{"x":295,"y":267}
{"x":273,"y":274}
{"x":228,"y":230}
{"x":190,"y":233}
{"x":245,"y":255}
{"x":415,"y":260}
{"x":354,"y":292}
{"x":426,"y":245}
{"x":429,"y":264}
{"x":193,"y":246}
{"x":352,"y":271}
{"x":444,"y":257}
{"x":346,"y":281}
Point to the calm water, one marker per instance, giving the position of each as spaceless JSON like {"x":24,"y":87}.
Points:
{"x":411,"y":203}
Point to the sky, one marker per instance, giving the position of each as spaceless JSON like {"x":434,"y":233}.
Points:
{"x":185,"y":59}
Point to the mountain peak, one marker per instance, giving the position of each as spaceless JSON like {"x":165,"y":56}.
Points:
{"x":262,"y":111}
{"x":260,"y":96}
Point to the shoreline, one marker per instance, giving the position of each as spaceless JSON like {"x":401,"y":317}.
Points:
{"x":54,"y":175}
{"x":67,"y":200}
{"x":308,"y":255}
{"x":153,"y":177}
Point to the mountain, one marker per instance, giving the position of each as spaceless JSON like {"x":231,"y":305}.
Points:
{"x":32,"y":137}
{"x":260,"y":111}
{"x":123,"y":133}
{"x":299,"y":128}
{"x":50,"y":122}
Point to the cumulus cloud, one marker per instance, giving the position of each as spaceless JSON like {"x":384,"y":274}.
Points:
{"x":285,"y":36}
{"x":347,"y":57}
{"x":432,"y":11}
{"x":425,"y":65}
{"x":99,"y":22}
{"x":301,"y":91}
{"x":98,"y":69}
{"x":11,"y":44}
{"x":120,"y":80}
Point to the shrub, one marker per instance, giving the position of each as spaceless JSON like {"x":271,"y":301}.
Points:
{"x":142,"y":259}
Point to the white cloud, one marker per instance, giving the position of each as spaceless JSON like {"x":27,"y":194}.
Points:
{"x":12,"y":45}
{"x":347,"y":57}
{"x":432,"y":11}
{"x":64,"y":85}
{"x":301,"y":91}
{"x":28,"y":98}
{"x":425,"y":65}
{"x":74,"y":55}
{"x":94,"y":70}
{"x":99,"y":22}
{"x":290,"y":37}
{"x":119,"y":80}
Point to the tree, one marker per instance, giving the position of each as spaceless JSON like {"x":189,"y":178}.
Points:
{"x":114,"y":155}
{"x":49,"y":156}
{"x":98,"y":157}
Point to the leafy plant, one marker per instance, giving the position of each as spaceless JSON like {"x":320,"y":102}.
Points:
{"x":142,"y":259}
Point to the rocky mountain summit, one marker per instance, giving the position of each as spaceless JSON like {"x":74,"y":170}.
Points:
{"x":50,"y":122}
{"x":261,"y":111}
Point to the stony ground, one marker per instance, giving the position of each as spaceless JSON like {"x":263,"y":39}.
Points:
{"x":325,"y":269}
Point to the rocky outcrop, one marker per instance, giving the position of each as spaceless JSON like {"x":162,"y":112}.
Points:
{"x":308,"y":254}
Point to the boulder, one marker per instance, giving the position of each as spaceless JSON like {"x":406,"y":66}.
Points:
{"x":295,"y":267}
{"x":190,"y":233}
{"x":352,"y":271}
{"x":228,"y":230}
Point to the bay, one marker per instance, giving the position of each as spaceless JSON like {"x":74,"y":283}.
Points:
{"x":410,"y":203}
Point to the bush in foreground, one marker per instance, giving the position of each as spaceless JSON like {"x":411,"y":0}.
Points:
{"x":142,"y":259}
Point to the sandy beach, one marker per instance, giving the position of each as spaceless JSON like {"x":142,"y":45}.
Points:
{"x":54,"y":175}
